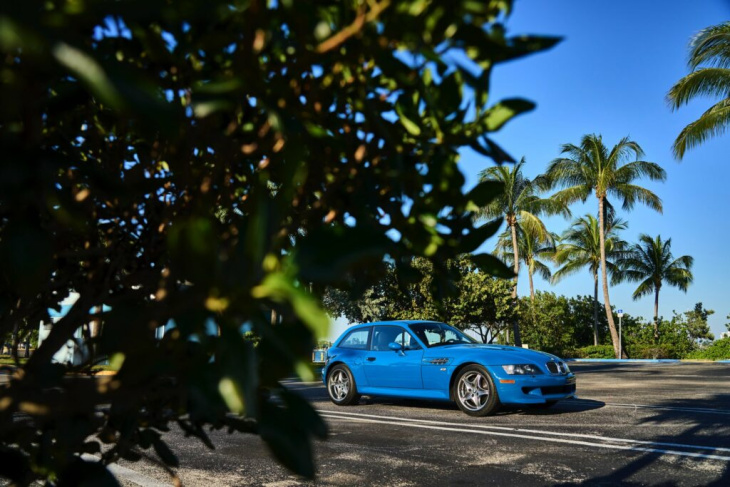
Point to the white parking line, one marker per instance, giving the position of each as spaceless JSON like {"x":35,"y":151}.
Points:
{"x":647,"y":406}
{"x":550,"y":436}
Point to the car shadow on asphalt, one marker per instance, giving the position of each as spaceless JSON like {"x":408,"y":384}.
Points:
{"x":316,"y":394}
{"x":567,"y":406}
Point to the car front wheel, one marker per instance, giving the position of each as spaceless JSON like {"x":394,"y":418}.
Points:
{"x":474,"y":391}
{"x":341,"y":386}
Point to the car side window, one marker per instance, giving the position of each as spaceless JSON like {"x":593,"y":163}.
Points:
{"x":357,"y":339}
{"x":406,"y":341}
{"x":383,"y":335}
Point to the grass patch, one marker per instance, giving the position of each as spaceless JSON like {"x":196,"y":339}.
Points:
{"x":8,"y":360}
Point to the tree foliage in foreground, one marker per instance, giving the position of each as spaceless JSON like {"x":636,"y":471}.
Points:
{"x":207,"y":162}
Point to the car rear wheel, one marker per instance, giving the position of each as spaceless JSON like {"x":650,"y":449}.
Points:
{"x":341,"y":386}
{"x":474,"y":391}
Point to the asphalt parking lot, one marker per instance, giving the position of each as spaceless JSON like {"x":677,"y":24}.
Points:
{"x":647,"y":424}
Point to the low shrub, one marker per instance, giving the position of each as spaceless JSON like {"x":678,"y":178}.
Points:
{"x":593,"y":351}
{"x":717,"y":350}
{"x":653,"y":352}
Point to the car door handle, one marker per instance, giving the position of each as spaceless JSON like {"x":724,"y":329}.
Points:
{"x":371,"y":359}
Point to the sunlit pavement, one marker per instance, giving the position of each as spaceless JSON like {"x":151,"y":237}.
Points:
{"x":654,"y":424}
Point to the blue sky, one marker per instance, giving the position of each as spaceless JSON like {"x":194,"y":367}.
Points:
{"x":610,"y":76}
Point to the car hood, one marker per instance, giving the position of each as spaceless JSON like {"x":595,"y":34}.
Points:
{"x":496,"y":354}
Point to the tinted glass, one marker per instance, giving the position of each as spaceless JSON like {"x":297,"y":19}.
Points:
{"x":383,"y":335}
{"x":406,"y":341}
{"x":356,"y":339}
{"x":437,"y":334}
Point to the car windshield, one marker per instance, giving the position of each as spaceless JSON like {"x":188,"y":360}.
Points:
{"x":437,"y":334}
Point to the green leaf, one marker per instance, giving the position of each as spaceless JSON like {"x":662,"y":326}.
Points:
{"x":86,"y":68}
{"x":496,"y":116}
{"x":409,"y":124}
{"x":327,"y":253}
{"x":315,"y":130}
{"x":485,"y":192}
{"x":280,"y":288}
{"x":492,"y":266}
{"x":475,"y":238}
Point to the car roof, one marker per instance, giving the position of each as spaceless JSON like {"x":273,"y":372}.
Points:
{"x":392,"y":322}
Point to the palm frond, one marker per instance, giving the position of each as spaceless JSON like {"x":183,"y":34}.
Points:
{"x":651,"y":262}
{"x":541,"y":270}
{"x":645,"y":288}
{"x":632,"y":194}
{"x":623,"y":151}
{"x":573,"y":194}
{"x":712,"y":123}
{"x":713,"y":82}
{"x":711,"y":46}
{"x":639,"y":169}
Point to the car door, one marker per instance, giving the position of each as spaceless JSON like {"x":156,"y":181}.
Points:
{"x":385,"y":367}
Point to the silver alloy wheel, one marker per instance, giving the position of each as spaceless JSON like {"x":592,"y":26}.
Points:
{"x":339,"y":385}
{"x":473,"y":391}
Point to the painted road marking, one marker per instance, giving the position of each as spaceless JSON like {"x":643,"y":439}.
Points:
{"x":550,"y":436}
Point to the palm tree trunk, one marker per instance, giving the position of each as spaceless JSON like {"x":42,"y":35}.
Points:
{"x":595,"y":308}
{"x":604,"y":276}
{"x":656,"y":313}
{"x":532,"y":289}
{"x":515,"y":325}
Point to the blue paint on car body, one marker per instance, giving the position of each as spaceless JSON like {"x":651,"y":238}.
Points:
{"x":422,"y":359}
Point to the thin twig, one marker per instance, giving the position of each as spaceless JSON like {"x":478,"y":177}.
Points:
{"x":352,"y":29}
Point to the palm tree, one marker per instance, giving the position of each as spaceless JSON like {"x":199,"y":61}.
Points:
{"x":710,"y":48}
{"x":521,"y":207}
{"x":592,"y":168}
{"x":651,"y":262}
{"x":580,"y":247}
{"x":532,"y":247}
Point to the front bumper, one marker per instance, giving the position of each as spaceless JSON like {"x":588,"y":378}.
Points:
{"x":532,"y":389}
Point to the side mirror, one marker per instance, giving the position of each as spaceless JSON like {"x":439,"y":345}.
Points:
{"x":396,"y":347}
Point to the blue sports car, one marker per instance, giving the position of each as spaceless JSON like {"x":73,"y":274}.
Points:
{"x":431,"y":360}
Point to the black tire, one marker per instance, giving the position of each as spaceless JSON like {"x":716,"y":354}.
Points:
{"x":341,"y":386}
{"x":474,"y":391}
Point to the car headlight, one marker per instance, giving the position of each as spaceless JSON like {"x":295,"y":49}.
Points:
{"x":522,"y":369}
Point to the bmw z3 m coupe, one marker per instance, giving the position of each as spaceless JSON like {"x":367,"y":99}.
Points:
{"x":431,"y":360}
